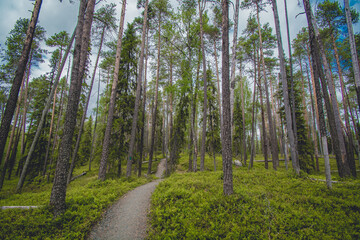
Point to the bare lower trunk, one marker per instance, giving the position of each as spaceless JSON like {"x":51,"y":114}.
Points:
{"x":288,"y":115}
{"x":153,"y":121}
{"x":77,"y":144}
{"x":110,"y":118}
{"x":316,"y":66}
{"x":272,"y":133}
{"x":203,"y":139}
{"x":58,"y":192}
{"x":138,"y":94}
{"x":226,"y":129}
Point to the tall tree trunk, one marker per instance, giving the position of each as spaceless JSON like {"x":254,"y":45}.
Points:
{"x":332,"y":110}
{"x":138,"y":94}
{"x":351,"y":158}
{"x":144,"y":106}
{"x":95,"y":125}
{"x":19,"y":75}
{"x":288,"y":115}
{"x":58,"y":192}
{"x":253,"y":116}
{"x":43,"y":116}
{"x":226,"y":129}
{"x":218,"y":82}
{"x":292,"y":95}
{"x":316,"y":66}
{"x":110,"y":118}
{"x":50,"y":133}
{"x":243,"y":114}
{"x":233,"y":64}
{"x":153,"y":120}
{"x":77,"y":144}
{"x":273,"y":142}
{"x":203,"y":139}
{"x":194,"y":124}
{"x":354,"y":56}
{"x":315,"y":120}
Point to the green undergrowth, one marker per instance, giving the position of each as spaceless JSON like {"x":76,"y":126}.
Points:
{"x":266,"y":204}
{"x":87,"y":198}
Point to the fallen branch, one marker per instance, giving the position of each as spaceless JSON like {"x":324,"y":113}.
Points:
{"x":21,"y":207}
{"x":321,"y":180}
{"x":84,"y":173}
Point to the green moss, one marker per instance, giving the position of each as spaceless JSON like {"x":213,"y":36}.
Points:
{"x":265,"y":204}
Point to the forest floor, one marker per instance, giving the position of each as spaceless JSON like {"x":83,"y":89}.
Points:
{"x":127,"y":218}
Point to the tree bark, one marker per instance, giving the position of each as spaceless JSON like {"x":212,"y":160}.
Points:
{"x":288,"y":115}
{"x":106,"y":143}
{"x":226,"y":129}
{"x":77,"y":144}
{"x":203,"y":139}
{"x":153,"y":120}
{"x":274,"y":146}
{"x":316,"y":66}
{"x":19,"y":75}
{"x":354,"y":56}
{"x":233,"y":64}
{"x":58,"y":192}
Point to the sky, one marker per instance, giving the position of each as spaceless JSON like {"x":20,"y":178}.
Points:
{"x":56,"y":17}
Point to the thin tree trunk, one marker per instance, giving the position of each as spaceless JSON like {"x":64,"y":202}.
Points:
{"x":334,"y":113}
{"x":203,"y":139}
{"x":218,"y":82}
{"x":274,"y":146}
{"x":233,"y":64}
{"x":138,"y":94}
{"x":226,"y":129}
{"x":18,"y":79}
{"x":153,"y":120}
{"x":253,"y":117}
{"x":58,"y":192}
{"x":315,"y":117}
{"x":316,"y":66}
{"x":110,"y":118}
{"x":243,"y":114}
{"x":43,"y":116}
{"x":288,"y":115}
{"x":95,"y":125}
{"x":194,"y":117}
{"x":77,"y":144}
{"x":143,"y":105}
{"x":354,"y":56}
{"x":292,"y":95}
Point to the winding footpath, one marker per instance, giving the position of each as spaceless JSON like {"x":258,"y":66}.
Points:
{"x":127,"y":218}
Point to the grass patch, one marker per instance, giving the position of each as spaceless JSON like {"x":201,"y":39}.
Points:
{"x":265,"y":204}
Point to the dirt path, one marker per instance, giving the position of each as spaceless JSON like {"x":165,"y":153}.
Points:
{"x":127,"y":218}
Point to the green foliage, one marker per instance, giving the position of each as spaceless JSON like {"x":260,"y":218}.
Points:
{"x":265,"y":204}
{"x":87,"y":199}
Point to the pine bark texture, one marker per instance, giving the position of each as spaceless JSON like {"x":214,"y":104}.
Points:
{"x":58,"y":192}
{"x":138,"y":93}
{"x":203,"y":139}
{"x":316,"y":67}
{"x":288,"y":115}
{"x":226,"y":129}
{"x":106,"y":143}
